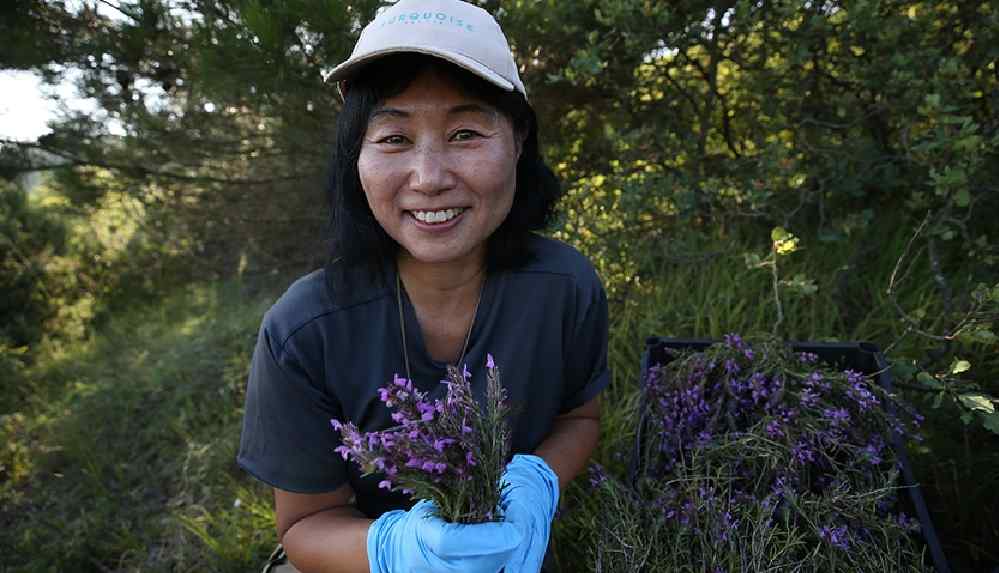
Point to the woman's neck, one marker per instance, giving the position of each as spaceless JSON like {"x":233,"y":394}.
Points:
{"x":442,"y":283}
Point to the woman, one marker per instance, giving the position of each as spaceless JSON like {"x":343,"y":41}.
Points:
{"x":436,"y":188}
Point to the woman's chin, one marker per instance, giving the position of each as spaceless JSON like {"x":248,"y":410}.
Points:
{"x":439,"y":254}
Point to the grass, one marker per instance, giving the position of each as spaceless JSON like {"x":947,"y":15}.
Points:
{"x":120,"y":453}
{"x":125,"y":446}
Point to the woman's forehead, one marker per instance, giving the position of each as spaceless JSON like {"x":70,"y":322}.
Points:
{"x":433,"y":93}
{"x":432,"y":86}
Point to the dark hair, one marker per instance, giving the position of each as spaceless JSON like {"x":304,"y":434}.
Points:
{"x":357,"y":238}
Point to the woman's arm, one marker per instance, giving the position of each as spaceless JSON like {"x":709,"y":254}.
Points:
{"x":322,"y":533}
{"x":573,"y":438}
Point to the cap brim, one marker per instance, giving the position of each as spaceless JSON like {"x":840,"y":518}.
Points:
{"x":344,"y":71}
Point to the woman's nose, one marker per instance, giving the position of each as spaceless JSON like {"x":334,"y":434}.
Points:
{"x":431,"y":173}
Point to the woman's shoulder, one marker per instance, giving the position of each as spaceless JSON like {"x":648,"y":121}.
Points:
{"x":305,"y":300}
{"x":551,"y":256}
{"x":318,"y":295}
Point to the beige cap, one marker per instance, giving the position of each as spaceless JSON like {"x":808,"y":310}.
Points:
{"x":456,"y":31}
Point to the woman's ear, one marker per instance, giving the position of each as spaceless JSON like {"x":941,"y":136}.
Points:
{"x":520,"y":136}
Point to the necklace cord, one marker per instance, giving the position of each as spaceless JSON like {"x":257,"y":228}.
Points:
{"x":402,"y":324}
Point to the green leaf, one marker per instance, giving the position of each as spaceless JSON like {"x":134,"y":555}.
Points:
{"x":962,"y":198}
{"x":960,"y":366}
{"x":800,"y":284}
{"x":753,"y":261}
{"x":903,"y":370}
{"x":928,"y":380}
{"x":991,"y":423}
{"x":978,"y":403}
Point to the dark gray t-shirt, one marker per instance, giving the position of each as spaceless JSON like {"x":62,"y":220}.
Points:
{"x":326,"y":346}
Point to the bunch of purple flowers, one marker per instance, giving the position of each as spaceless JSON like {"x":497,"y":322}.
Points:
{"x":452,"y":451}
{"x":757,"y":458}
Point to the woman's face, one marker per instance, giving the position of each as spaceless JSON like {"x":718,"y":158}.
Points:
{"x":439,"y":169}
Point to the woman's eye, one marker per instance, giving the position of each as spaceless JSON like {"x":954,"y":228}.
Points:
{"x":464,"y":135}
{"x":393,"y":139}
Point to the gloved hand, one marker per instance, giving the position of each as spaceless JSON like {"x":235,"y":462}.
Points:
{"x":416,"y":541}
{"x":529,"y":502}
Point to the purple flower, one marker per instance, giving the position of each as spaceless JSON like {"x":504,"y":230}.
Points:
{"x":727,"y":526}
{"x":774,"y":429}
{"x":736,"y":342}
{"x":490,"y":363}
{"x":859,"y":391}
{"x":802,"y":453}
{"x":426,"y":411}
{"x":779,"y":486}
{"x":758,"y":384}
{"x":809,"y":398}
{"x":731,"y":367}
{"x":835,"y":536}
{"x":385,"y":395}
{"x":837,"y":416}
{"x":385,"y":484}
{"x":908,"y":523}
{"x":597,"y":475}
{"x":872,"y":453}
{"x":343,"y":451}
{"x":816,"y":381}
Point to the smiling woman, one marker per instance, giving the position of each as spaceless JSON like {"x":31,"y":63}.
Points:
{"x":439,"y":169}
{"x":437,"y":188}
{"x":365,"y":125}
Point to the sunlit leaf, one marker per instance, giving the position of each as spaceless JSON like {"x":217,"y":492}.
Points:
{"x":960,"y":366}
{"x":978,"y":403}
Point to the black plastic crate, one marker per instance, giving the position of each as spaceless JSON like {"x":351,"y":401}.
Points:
{"x":860,"y":356}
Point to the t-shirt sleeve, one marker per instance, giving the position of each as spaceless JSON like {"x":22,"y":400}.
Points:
{"x":586,"y":368}
{"x":287,"y":440}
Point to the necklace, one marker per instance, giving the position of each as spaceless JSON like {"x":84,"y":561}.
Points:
{"x":402,"y":323}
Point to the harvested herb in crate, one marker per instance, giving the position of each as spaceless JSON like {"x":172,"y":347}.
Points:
{"x":758,"y":458}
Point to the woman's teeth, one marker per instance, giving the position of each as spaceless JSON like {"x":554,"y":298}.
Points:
{"x":437,"y":216}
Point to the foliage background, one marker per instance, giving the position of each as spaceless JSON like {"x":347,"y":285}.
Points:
{"x":134,"y":276}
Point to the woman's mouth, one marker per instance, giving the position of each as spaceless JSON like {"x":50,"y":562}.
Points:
{"x":437,"y":217}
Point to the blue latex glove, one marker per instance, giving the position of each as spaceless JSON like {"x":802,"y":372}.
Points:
{"x":529,"y":502}
{"x":416,"y":541}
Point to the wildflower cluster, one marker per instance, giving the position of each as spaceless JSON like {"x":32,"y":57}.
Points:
{"x":758,"y":458}
{"x":452,"y":451}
